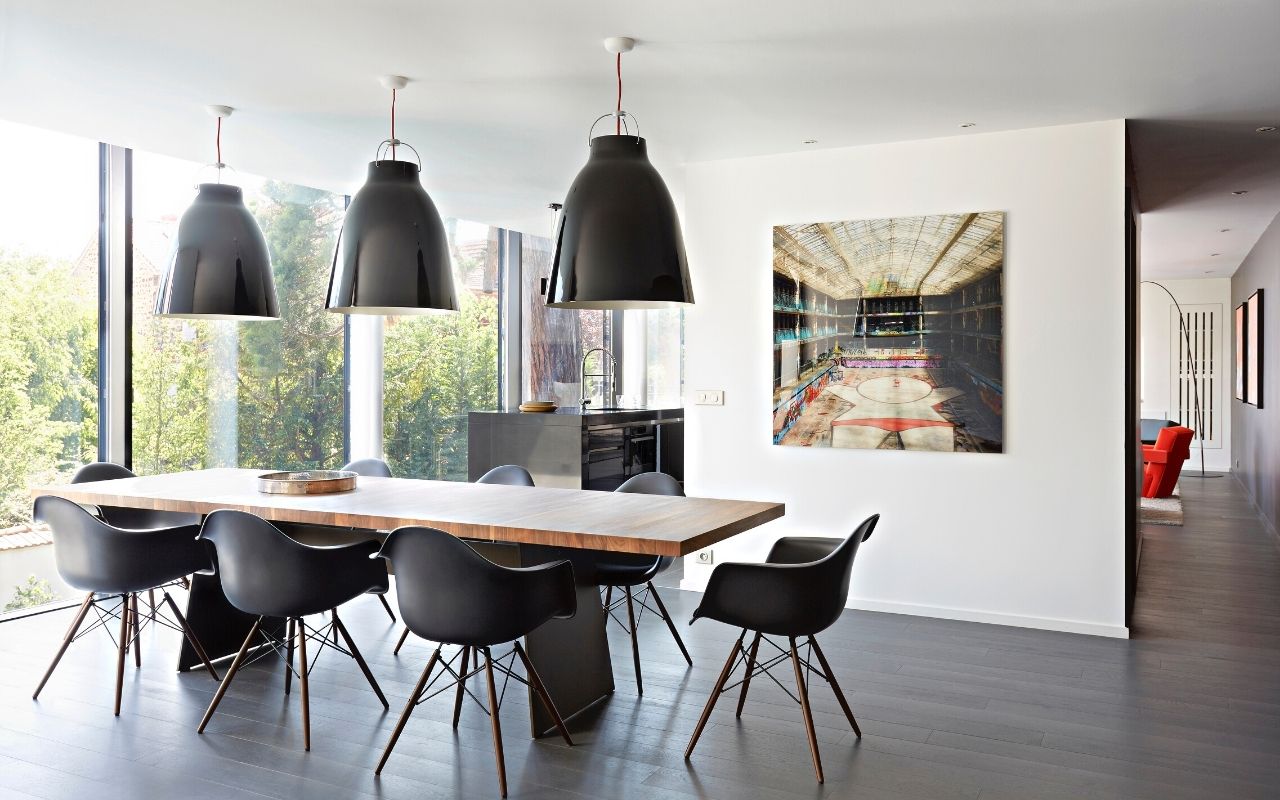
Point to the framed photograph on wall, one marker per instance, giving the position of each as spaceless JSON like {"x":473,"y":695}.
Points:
{"x":888,"y":334}
{"x":1240,"y":359}
{"x":1253,"y":349}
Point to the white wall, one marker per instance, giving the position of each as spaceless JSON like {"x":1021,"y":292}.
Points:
{"x":1032,"y":537}
{"x":1159,"y":329}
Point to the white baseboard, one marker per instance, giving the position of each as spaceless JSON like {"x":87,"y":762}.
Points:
{"x":970,"y":615}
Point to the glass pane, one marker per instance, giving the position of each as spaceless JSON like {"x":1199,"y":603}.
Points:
{"x":553,"y":340}
{"x":664,"y":369}
{"x":439,"y":367}
{"x":265,"y":395}
{"x":49,"y":331}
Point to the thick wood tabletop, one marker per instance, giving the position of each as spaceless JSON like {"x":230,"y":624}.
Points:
{"x":622,"y":523}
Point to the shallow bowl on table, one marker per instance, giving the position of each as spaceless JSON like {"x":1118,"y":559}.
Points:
{"x":313,"y":481}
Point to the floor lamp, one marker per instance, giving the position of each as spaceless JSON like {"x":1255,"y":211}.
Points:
{"x":1197,"y":411}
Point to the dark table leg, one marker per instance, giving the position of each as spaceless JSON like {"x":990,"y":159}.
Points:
{"x":220,"y":626}
{"x":570,"y":655}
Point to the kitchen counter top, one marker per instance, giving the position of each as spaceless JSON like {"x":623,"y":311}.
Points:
{"x":577,"y":417}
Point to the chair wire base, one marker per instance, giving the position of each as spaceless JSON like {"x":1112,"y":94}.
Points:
{"x":631,"y":600}
{"x":298,"y":636}
{"x":132,"y":623}
{"x":803,"y":669}
{"x":458,"y":677}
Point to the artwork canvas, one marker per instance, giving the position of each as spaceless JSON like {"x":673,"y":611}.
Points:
{"x":888,"y":333}
{"x":1240,"y":351}
{"x":1253,"y":349}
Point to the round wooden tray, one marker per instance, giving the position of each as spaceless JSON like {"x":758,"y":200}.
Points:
{"x":315,"y":481}
{"x":537,"y":407}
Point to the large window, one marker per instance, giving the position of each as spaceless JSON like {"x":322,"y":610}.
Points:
{"x":48,"y":341}
{"x":553,"y":340}
{"x":439,"y":367}
{"x":266,"y":395}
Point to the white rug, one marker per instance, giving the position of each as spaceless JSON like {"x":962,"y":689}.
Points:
{"x":1162,"y":510}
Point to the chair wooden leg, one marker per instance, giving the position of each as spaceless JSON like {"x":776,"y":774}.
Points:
{"x":400,"y":643}
{"x":137,"y":630}
{"x":835,"y":687}
{"x":495,"y":722}
{"x":746,"y":680}
{"x":535,"y":680}
{"x":387,"y":606}
{"x":288,"y":657}
{"x":151,"y":600}
{"x":122,"y":644}
{"x":231,"y":673}
{"x":635,"y":639}
{"x":715,"y":695}
{"x":803,"y":692}
{"x":408,"y":709}
{"x":462,"y":678}
{"x":671,"y":625}
{"x":191,"y":635}
{"x":608,"y":597}
{"x":66,"y":642}
{"x":303,"y":682}
{"x":355,"y":653}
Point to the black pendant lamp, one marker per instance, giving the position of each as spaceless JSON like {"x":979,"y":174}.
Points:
{"x":393,"y":254}
{"x":219,"y":267}
{"x":618,"y":243}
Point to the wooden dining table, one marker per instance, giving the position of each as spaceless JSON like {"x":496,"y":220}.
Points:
{"x":515,"y":525}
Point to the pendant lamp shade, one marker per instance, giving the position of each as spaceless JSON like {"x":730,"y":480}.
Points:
{"x":618,"y":244}
{"x":220,"y":267}
{"x":393,"y":254}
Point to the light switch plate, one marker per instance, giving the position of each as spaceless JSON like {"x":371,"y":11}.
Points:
{"x":708,"y":397}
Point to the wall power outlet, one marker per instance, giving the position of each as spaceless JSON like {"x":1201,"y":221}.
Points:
{"x":706,"y":557}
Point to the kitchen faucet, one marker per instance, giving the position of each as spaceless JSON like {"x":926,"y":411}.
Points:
{"x":608,"y":373}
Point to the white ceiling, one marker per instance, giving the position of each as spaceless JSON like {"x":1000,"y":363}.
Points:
{"x":504,"y":90}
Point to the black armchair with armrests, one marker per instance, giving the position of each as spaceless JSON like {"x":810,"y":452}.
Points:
{"x":797,"y":593}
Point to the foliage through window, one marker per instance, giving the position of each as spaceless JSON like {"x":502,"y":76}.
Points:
{"x":48,"y":341}
{"x":439,"y":367}
{"x":266,"y":395}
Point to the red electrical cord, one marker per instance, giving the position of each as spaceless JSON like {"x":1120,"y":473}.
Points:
{"x":393,"y":124}
{"x":617,"y":120}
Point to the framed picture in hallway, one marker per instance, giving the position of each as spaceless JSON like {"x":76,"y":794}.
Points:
{"x":888,"y":333}
{"x":1253,"y":349}
{"x":1240,"y":351}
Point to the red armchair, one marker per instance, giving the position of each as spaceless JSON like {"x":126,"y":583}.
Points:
{"x":1162,"y":461}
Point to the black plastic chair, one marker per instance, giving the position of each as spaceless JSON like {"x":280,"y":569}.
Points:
{"x":799,"y":592}
{"x":98,"y":558}
{"x":450,"y":594}
{"x":505,"y":475}
{"x":615,"y":571}
{"x":373,"y":468}
{"x":267,"y":574}
{"x":131,"y":518}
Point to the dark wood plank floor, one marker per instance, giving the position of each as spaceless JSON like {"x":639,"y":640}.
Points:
{"x":1190,"y":708}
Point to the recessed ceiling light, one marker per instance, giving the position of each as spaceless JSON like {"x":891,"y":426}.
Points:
{"x":967,"y":124}
{"x":810,"y":141}
{"x":1265,"y":129}
{"x":1239,"y":192}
